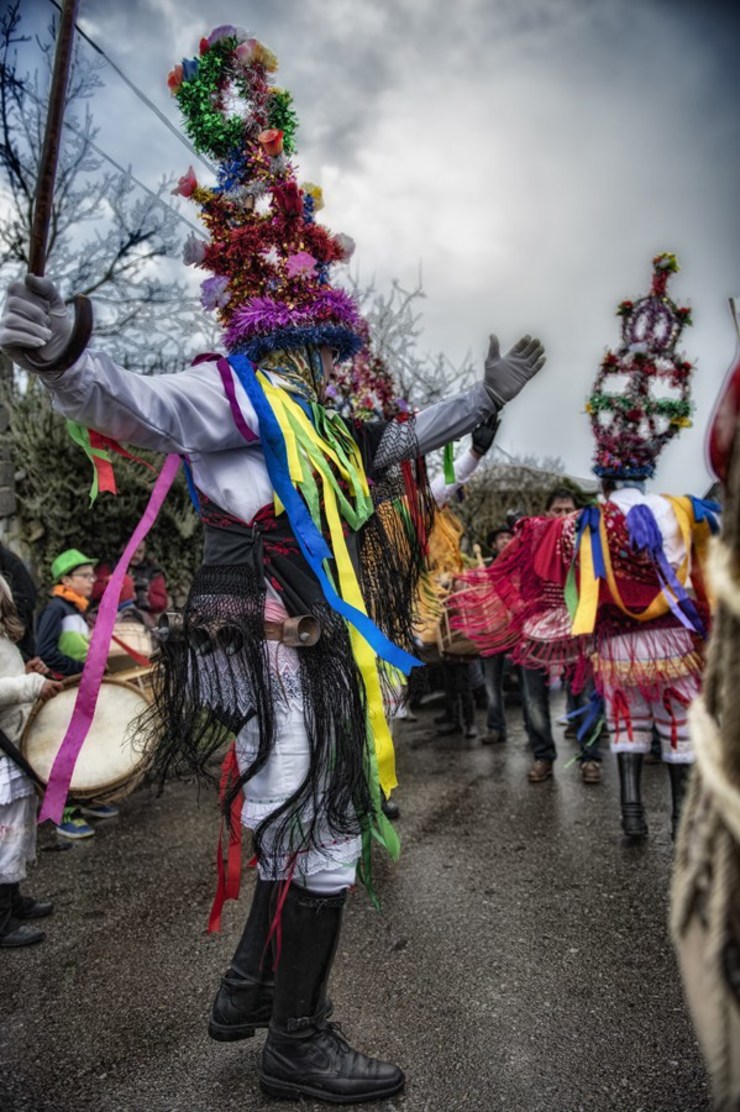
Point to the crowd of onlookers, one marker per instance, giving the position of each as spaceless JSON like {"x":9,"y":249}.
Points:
{"x":471,"y":683}
{"x":44,"y":644}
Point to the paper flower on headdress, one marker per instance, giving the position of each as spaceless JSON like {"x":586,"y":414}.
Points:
{"x":365,"y":389}
{"x":270,"y":259}
{"x":641,"y":396}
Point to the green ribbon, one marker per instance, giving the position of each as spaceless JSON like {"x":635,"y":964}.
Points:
{"x":449,"y":465}
{"x":81,"y":436}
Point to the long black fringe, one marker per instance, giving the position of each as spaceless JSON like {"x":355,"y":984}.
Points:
{"x":393,"y":549}
{"x":215,"y":675}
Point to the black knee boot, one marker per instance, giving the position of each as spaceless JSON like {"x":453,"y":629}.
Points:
{"x":304,"y":1054}
{"x":633,"y":812}
{"x":679,"y":774}
{"x":244,"y":999}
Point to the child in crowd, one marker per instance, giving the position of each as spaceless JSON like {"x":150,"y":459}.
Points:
{"x":62,"y":640}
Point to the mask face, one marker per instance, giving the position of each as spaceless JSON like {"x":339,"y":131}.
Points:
{"x":301,"y":370}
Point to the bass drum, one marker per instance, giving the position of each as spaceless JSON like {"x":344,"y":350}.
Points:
{"x":110,"y":764}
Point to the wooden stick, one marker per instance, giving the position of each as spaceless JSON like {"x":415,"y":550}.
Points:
{"x":44,"y":198}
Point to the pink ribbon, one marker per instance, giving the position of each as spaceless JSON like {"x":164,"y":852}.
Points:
{"x":60,"y":778}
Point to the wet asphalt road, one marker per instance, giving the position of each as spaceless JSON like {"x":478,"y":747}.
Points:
{"x":521,"y":961}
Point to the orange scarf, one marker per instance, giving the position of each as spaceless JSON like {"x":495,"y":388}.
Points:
{"x":60,"y":591}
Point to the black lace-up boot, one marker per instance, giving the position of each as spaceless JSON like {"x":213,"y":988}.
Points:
{"x":679,"y":774}
{"x":633,"y":812}
{"x":244,"y":999}
{"x":305,"y":1054}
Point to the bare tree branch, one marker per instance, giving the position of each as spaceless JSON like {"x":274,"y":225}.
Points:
{"x":106,"y":238}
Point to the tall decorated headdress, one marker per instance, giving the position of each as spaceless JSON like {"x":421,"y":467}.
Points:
{"x":270,"y":260}
{"x":632,"y":424}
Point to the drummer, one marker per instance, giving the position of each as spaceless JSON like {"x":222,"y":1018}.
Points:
{"x":62,"y":641}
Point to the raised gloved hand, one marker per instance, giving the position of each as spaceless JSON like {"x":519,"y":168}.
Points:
{"x":506,"y":375}
{"x":483,"y":435}
{"x":35,"y":325}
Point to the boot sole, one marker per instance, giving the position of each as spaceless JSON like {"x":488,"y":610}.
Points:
{"x":223,"y":1033}
{"x":6,"y":945}
{"x":285,"y":1090}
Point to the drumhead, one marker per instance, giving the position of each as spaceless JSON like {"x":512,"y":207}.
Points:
{"x":130,"y":635}
{"x":107,"y":758}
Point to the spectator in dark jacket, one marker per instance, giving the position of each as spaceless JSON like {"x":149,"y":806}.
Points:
{"x":24,"y":593}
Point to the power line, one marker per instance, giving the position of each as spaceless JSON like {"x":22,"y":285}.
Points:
{"x":122,"y":169}
{"x":141,"y":95}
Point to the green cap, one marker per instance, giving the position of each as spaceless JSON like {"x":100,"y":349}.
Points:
{"x":68,"y":561}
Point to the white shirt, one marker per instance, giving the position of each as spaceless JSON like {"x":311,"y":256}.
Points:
{"x":188,"y":413}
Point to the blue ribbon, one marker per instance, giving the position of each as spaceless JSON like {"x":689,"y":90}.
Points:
{"x":590,"y":516}
{"x":645,"y":536}
{"x":191,"y":484}
{"x":310,"y":540}
{"x":704,"y":510}
{"x":592,"y":714}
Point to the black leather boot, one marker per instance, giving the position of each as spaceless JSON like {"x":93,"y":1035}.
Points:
{"x":633,"y":812}
{"x":244,"y":999}
{"x":679,"y":774}
{"x":304,"y":1054}
{"x":25,"y":907}
{"x":12,"y":932}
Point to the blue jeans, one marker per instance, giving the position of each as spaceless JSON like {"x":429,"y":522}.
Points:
{"x":536,"y":707}
{"x":493,"y":671}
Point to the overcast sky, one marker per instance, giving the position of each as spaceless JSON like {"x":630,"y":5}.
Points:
{"x":531,"y":156}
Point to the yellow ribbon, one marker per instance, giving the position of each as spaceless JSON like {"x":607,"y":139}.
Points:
{"x":588,"y":595}
{"x":364,"y":656}
{"x":290,"y":415}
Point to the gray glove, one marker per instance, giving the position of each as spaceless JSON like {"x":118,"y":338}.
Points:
{"x":35,"y":325}
{"x":506,"y":375}
{"x":484,"y":434}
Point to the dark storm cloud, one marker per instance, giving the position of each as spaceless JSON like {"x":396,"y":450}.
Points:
{"x":531,"y":154}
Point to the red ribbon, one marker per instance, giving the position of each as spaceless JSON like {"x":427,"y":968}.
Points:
{"x":138,"y":658}
{"x":229,"y":873}
{"x":620,"y":709}
{"x":669,"y":695}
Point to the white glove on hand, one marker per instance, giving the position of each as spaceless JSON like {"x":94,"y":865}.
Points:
{"x":35,"y":325}
{"x":506,"y":375}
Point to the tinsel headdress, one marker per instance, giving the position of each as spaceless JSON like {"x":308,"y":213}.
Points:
{"x":269,"y":258}
{"x":632,"y":424}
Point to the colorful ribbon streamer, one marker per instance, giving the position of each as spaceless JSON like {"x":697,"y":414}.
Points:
{"x":583,"y":605}
{"x":92,"y":674}
{"x":645,"y":536}
{"x":310,"y":540}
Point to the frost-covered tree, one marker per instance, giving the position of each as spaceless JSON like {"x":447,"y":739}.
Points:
{"x":108,"y":238}
{"x":395,"y":318}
